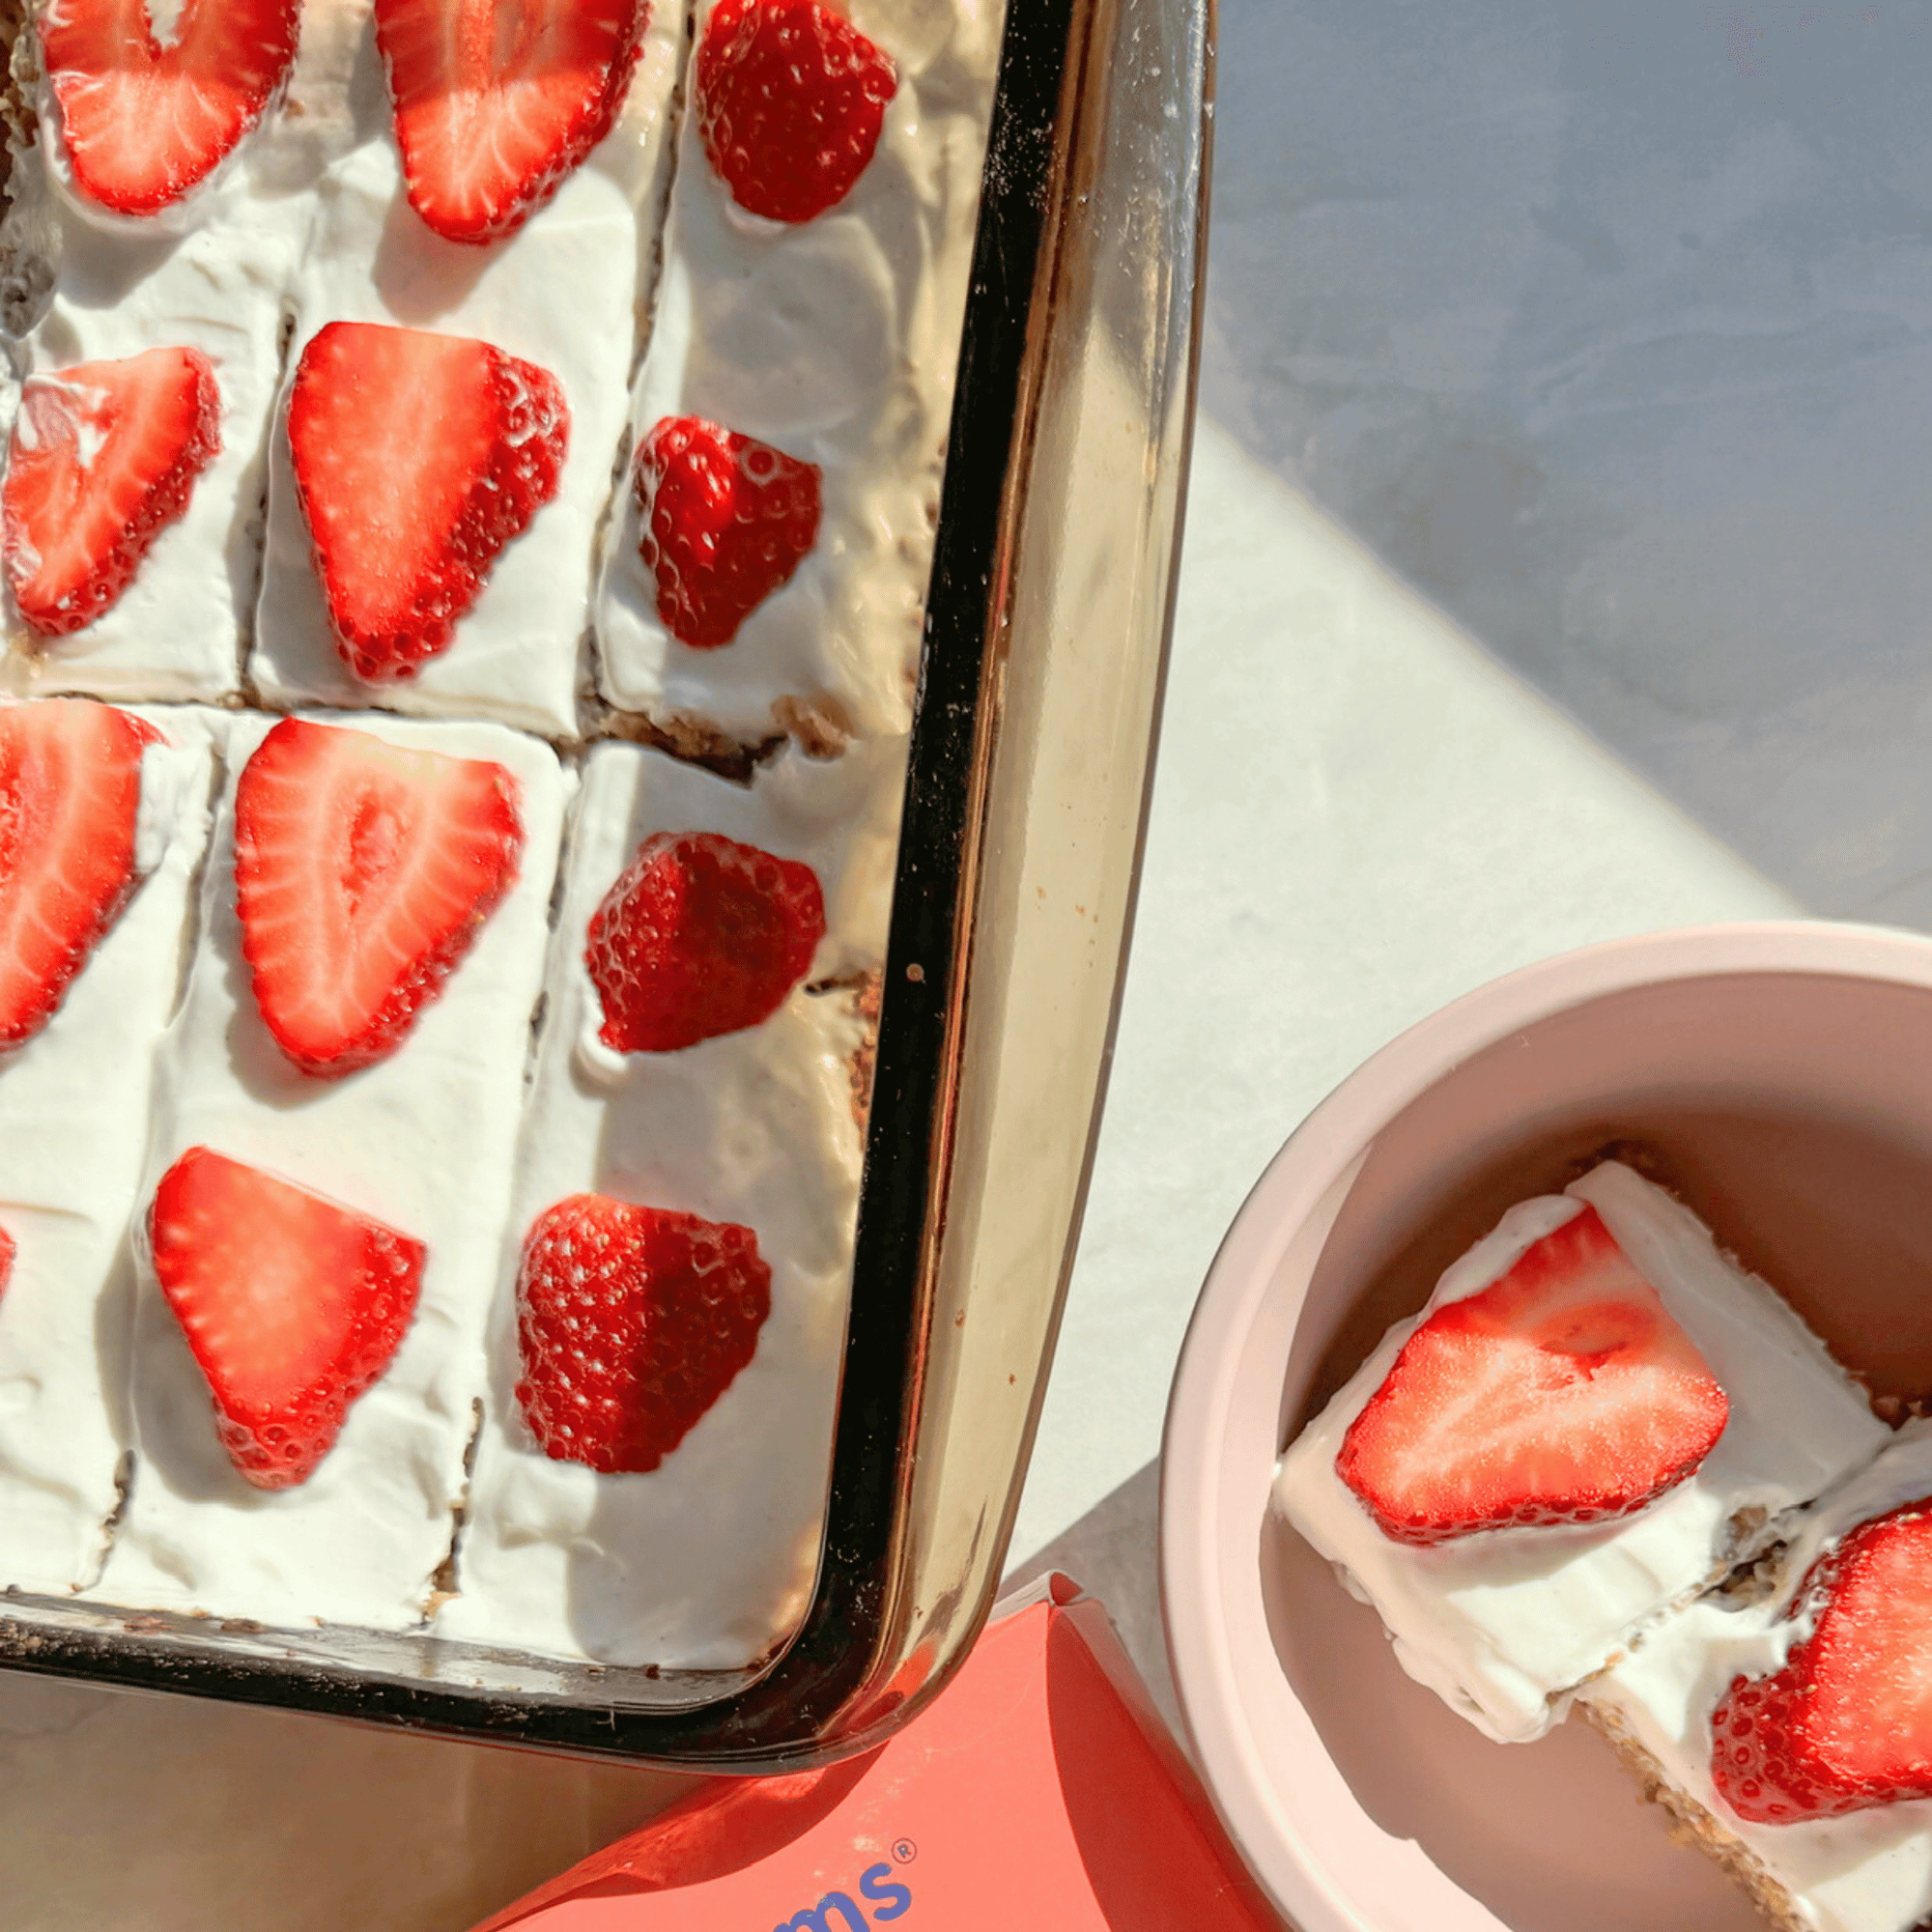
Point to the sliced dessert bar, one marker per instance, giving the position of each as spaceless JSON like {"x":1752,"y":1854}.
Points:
{"x":1594,"y":1418}
{"x":391,"y":577}
{"x":106,"y":826}
{"x":707,"y":1190}
{"x":134,"y":555}
{"x":342,"y":1084}
{"x":1791,"y":1731}
{"x":766,"y":564}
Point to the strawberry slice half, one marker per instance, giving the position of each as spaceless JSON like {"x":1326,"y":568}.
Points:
{"x":417,"y":457}
{"x":632,"y":1322}
{"x":1847,"y":1723}
{"x":143,"y":122}
{"x":700,"y":937}
{"x":70,"y":797}
{"x":790,"y":100}
{"x":292,"y":1305}
{"x":495,"y":105}
{"x":1563,"y":1392}
{"x":362,"y":873}
{"x":726,"y":521}
{"x":103,"y":456}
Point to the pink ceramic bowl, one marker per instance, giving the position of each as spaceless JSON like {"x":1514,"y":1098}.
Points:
{"x":1783,"y":1073}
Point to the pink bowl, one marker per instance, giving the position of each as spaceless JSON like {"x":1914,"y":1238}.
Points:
{"x":1784,"y":1073}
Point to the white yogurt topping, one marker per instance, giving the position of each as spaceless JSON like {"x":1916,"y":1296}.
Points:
{"x":705,"y":1562}
{"x":421,"y":1141}
{"x":563,"y":291}
{"x":836,"y":341}
{"x":1503,"y":1623}
{"x":73,"y":1102}
{"x":177,"y":630}
{"x":1868,"y":1871}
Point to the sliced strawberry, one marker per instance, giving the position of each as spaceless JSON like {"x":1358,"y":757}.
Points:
{"x":292,"y":1305}
{"x":143,"y":123}
{"x":495,"y":105}
{"x":70,"y":795}
{"x":1564,"y":1392}
{"x":103,"y":456}
{"x":1847,"y":1723}
{"x":632,"y":1322}
{"x":790,"y":100}
{"x":362,"y":873}
{"x":417,"y":457}
{"x":700,"y":937}
{"x":726,"y":521}
{"x":6,"y":1260}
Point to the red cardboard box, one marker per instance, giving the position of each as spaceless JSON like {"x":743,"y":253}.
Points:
{"x":1040,"y":1789}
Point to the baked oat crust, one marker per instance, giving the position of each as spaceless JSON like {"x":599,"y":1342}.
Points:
{"x":1691,"y":1824}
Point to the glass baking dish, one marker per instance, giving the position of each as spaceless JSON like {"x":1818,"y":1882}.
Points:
{"x":1039,"y":686}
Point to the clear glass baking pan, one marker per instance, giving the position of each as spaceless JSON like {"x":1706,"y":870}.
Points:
{"x":1040,"y":690}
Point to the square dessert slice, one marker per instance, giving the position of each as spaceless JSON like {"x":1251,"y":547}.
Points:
{"x":130,"y":819}
{"x":132,"y":502}
{"x":766,"y":559}
{"x":685,"y":1532}
{"x":374,"y":909}
{"x":1851,"y":1563}
{"x":1503,"y":1621}
{"x":476,"y":610}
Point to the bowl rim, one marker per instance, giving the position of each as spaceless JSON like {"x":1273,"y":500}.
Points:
{"x":1211,"y":1603}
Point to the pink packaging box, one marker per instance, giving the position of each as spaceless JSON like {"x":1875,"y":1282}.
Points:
{"x":1040,"y":1788}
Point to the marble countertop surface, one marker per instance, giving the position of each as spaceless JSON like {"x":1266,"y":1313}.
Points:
{"x":1555,"y":570}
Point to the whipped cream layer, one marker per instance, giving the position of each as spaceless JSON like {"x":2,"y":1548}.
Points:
{"x":73,"y":1108}
{"x":705,"y":1562}
{"x":1868,"y":1871}
{"x":210,"y":272}
{"x":566,"y":292}
{"x":1503,"y":1623}
{"x":834,"y":340}
{"x":422,"y":1141}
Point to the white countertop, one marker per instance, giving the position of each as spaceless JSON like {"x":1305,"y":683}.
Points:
{"x":1558,"y":357}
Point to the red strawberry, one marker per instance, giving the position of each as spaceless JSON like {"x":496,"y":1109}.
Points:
{"x":1564,"y":1392}
{"x":70,"y":794}
{"x":726,"y":521}
{"x":362,"y":873}
{"x":292,"y":1305}
{"x":1847,"y":1723}
{"x":103,"y":456}
{"x":6,"y":1260}
{"x":700,"y":937}
{"x":495,"y":105}
{"x":790,"y":100}
{"x":417,"y":457}
{"x":632,"y":1322}
{"x":144,"y":123}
